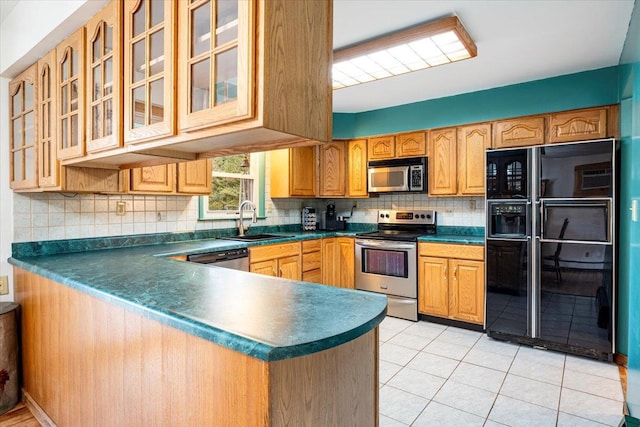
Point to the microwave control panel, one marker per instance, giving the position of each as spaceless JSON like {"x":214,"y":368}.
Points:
{"x":416,"y":175}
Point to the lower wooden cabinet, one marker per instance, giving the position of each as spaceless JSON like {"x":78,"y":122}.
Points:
{"x":451,"y":281}
{"x":312,"y":261}
{"x":278,"y":260}
{"x":338,"y":261}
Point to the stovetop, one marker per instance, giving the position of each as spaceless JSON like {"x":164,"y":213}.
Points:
{"x":403,"y":225}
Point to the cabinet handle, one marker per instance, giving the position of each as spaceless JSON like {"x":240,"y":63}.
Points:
{"x":445,"y":273}
{"x":280,"y":272}
{"x":274,"y":272}
{"x":455,"y":273}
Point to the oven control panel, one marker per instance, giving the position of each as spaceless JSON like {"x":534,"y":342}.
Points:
{"x":407,"y":217}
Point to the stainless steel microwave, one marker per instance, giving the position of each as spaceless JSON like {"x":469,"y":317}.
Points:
{"x":407,"y":175}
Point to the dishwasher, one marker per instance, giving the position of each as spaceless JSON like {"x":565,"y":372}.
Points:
{"x":236,"y":259}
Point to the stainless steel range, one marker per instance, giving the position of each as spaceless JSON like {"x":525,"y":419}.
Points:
{"x":387,"y":259}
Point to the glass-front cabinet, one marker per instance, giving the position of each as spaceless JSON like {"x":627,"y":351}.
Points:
{"x":22,"y":135}
{"x":70,"y":61}
{"x":149,"y":69}
{"x":48,"y":165}
{"x":103,"y":74}
{"x":216,"y":62}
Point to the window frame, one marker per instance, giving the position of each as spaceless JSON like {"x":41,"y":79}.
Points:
{"x":258,"y":175}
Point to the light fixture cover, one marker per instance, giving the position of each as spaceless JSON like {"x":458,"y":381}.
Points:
{"x":415,"y":48}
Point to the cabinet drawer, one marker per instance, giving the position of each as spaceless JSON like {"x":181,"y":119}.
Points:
{"x":262,"y":253}
{"x":313,"y":276}
{"x":311,"y":261}
{"x":452,"y":250}
{"x":311,"y":245}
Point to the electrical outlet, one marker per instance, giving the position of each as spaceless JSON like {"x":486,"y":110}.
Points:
{"x":121,"y":208}
{"x":472,"y":205}
{"x":4,"y":285}
{"x":355,"y":205}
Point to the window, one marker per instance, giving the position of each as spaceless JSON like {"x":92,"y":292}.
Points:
{"x":234,"y":178}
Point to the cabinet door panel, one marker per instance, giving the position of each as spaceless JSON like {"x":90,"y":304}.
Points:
{"x":472,"y":143}
{"x":330,"y":273}
{"x":518,"y":132}
{"x":70,"y":59}
{"x":48,"y":165}
{"x":433,"y":286}
{"x":346,"y":262}
{"x":578,"y":125}
{"x":357,"y":168}
{"x":159,"y":178}
{"x":194,"y":177}
{"x":302,"y":164}
{"x":411,"y":144}
{"x":442,"y":162}
{"x":104,"y":77}
{"x":383,"y":147}
{"x":313,"y":276}
{"x":23,"y":110}
{"x":266,"y":268}
{"x":332,"y":169}
{"x":216,"y":60}
{"x":290,"y":268}
{"x":149,"y":69}
{"x":466,"y":291}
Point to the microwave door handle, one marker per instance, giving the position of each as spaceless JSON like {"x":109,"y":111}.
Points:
{"x":384,"y":245}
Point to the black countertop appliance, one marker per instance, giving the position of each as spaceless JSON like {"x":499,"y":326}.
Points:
{"x":330,"y":221}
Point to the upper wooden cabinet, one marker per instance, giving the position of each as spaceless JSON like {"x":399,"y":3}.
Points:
{"x":153,"y":179}
{"x":382,"y":147}
{"x":456,"y":160}
{"x":522,"y":132}
{"x":194,"y":177}
{"x":578,"y":125}
{"x":357,"y":168}
{"x":293,"y":172}
{"x":70,"y":92}
{"x":473,"y":140}
{"x":104,"y":78}
{"x":23,"y":120}
{"x":332,"y":169}
{"x":183,"y":178}
{"x":149,"y":69}
{"x":48,"y":165}
{"x":442,"y":162}
{"x":412,"y":144}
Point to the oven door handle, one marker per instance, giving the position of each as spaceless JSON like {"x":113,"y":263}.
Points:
{"x":384,"y":245}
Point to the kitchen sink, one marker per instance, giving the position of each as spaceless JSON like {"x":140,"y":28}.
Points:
{"x":256,"y":237}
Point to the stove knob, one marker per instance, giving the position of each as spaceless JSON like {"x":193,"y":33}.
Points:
{"x":381,"y":215}
{"x":422,"y":216}
{"x":428,"y":216}
{"x":386,"y":215}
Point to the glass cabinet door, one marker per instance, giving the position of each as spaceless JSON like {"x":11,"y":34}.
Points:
{"x":149,"y":52}
{"x":70,"y":61}
{"x":47,"y":161}
{"x":103,"y":77}
{"x":216,"y":61}
{"x":22,"y":134}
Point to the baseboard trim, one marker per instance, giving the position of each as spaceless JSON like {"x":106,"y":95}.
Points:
{"x":37,"y":412}
{"x":621,"y":360}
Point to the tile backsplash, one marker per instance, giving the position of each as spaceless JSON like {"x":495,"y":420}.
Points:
{"x":55,"y":216}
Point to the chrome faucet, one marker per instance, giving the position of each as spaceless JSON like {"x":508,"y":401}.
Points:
{"x":254,"y":218}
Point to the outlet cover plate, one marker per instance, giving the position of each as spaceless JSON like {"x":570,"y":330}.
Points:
{"x":4,"y":285}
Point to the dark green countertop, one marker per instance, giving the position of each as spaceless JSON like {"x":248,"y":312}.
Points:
{"x":264,"y":317}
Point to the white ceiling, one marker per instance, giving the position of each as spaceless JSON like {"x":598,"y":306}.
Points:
{"x":518,"y":41}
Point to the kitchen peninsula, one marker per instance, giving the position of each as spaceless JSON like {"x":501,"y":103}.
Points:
{"x":128,"y":336}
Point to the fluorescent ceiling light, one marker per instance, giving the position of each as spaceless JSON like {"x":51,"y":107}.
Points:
{"x":416,"y":48}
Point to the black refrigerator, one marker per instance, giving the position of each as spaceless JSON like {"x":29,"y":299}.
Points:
{"x":550,"y":246}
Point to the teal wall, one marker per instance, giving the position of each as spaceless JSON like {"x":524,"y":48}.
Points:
{"x":629,"y":265}
{"x":580,"y":90}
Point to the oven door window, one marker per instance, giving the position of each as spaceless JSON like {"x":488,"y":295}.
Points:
{"x":385,"y":262}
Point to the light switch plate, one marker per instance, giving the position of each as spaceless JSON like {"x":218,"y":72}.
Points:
{"x":4,"y":285}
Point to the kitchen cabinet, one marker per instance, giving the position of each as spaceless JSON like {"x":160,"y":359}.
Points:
{"x":241,"y":63}
{"x":182,"y":178}
{"x":312,"y":260}
{"x":382,"y":147}
{"x":104,"y":78}
{"x":338,"y":263}
{"x":451,"y":281}
{"x":70,"y":92}
{"x":578,"y":125}
{"x":412,"y":144}
{"x":357,"y":168}
{"x":48,"y":164}
{"x":332,"y":175}
{"x":456,"y":160}
{"x":278,"y":260}
{"x":23,"y":120}
{"x":293,"y":172}
{"x":520,"y":132}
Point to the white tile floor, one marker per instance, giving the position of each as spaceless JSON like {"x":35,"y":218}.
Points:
{"x":435,"y":375}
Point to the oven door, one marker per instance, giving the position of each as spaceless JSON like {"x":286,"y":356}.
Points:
{"x":387,"y":267}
